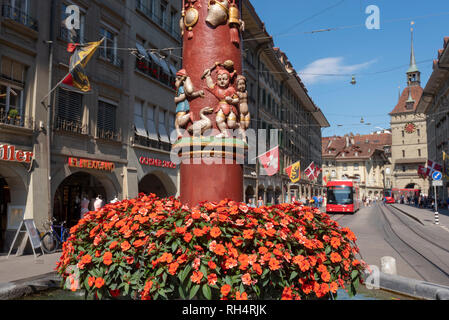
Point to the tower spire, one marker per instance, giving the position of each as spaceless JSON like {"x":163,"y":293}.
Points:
{"x":413,"y":74}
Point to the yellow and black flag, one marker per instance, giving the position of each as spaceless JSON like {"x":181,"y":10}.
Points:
{"x":445,"y":165}
{"x":77,"y":79}
{"x":294,"y":172}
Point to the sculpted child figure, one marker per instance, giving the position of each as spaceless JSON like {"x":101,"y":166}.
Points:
{"x":226,"y":111}
{"x":242,"y":93}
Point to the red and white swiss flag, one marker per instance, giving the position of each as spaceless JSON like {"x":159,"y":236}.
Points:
{"x":423,"y":172}
{"x":270,"y":161}
{"x":311,"y":171}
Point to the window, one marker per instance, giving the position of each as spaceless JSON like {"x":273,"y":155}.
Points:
{"x":356,"y":166}
{"x":108,"y":49}
{"x":163,"y":13}
{"x":146,"y":6}
{"x":419,"y":133}
{"x":12,"y":70}
{"x":402,"y":133}
{"x":150,"y":123}
{"x":106,"y":121}
{"x":162,"y":128}
{"x":403,"y":153}
{"x":69,"y":111}
{"x":419,"y":152}
{"x":173,"y":19}
{"x":345,"y":167}
{"x":404,"y":168}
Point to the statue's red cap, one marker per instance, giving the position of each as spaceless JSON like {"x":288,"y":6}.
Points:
{"x":181,"y":72}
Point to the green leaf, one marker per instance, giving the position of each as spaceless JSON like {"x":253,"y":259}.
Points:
{"x":174,"y":246}
{"x":207,"y":292}
{"x":328,"y":250}
{"x":182,"y":275}
{"x":181,"y":292}
{"x":354,"y":274}
{"x":293,"y":275}
{"x":193,"y":291}
{"x":162,"y":293}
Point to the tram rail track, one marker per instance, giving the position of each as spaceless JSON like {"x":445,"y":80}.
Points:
{"x":421,"y":263}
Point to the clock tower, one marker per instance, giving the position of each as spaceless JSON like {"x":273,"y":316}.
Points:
{"x":409,"y":133}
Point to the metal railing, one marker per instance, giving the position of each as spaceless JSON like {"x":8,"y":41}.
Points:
{"x":113,"y":135}
{"x":109,"y":56}
{"x":17,"y":121}
{"x":155,"y":144}
{"x":19,"y":16}
{"x":72,"y":126}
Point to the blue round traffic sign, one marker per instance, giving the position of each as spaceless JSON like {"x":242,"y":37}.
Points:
{"x":437,"y":175}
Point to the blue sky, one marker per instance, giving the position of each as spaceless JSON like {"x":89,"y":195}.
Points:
{"x":356,"y":50}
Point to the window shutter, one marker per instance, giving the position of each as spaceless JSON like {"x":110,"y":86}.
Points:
{"x":69,"y":106}
{"x":106,"y":116}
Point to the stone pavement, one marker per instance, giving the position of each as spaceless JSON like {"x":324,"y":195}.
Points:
{"x":26,"y":266}
{"x":425,"y":216}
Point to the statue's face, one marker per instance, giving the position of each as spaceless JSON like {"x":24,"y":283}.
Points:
{"x":241,"y":86}
{"x":179,"y":81}
{"x":223,"y":80}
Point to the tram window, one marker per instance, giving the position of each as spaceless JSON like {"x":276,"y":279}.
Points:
{"x":340,"y":195}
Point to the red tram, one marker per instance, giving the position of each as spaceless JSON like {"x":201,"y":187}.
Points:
{"x":389,"y":196}
{"x":343,"y":197}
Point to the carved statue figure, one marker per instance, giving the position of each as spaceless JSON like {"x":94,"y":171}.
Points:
{"x":184,"y":92}
{"x":226,"y":111}
{"x":242,"y":93}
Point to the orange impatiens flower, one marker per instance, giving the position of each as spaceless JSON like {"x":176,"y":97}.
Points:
{"x":99,"y":282}
{"x":196,"y":277}
{"x":225,"y":289}
{"x":246,"y":279}
{"x":113,"y":245}
{"x":248,"y":234}
{"x":138,"y":243}
{"x":125,"y":245}
{"x":172,"y":268}
{"x":335,"y":242}
{"x":91,"y":281}
{"x":241,"y":296}
{"x":107,"y":258}
{"x":274,"y":264}
{"x":211,"y":264}
{"x":212,"y":279}
{"x":220,"y":249}
{"x":187,"y":237}
{"x":257,"y":268}
{"x":215,"y":232}
{"x":335,"y":257}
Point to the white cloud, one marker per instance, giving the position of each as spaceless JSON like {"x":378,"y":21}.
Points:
{"x":313,"y":73}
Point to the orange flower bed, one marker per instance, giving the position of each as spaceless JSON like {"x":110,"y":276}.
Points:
{"x":150,"y":248}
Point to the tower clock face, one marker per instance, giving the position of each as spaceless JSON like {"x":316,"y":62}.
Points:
{"x":410,"y":127}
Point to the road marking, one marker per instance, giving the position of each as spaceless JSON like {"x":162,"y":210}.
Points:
{"x":445,"y":228}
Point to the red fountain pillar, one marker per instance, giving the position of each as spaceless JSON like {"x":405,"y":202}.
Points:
{"x":211,"y":53}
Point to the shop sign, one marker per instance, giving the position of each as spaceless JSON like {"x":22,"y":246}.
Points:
{"x":157,"y":163}
{"x":91,"y":164}
{"x":10,"y":153}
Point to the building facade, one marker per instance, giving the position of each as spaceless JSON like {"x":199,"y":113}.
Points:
{"x":409,"y":134}
{"x":434,"y":103}
{"x":362,"y":158}
{"x":278,"y":100}
{"x":113,"y":142}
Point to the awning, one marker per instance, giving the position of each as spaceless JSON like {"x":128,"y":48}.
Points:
{"x":142,"y":51}
{"x":161,"y":62}
{"x":140,"y":127}
{"x":173,"y":70}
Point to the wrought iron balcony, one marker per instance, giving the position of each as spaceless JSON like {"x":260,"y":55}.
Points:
{"x":72,"y":126}
{"x":109,"y":56}
{"x":16,"y":120}
{"x":113,"y":135}
{"x":15,"y":14}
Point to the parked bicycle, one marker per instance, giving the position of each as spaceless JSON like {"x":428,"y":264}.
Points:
{"x":58,"y":234}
